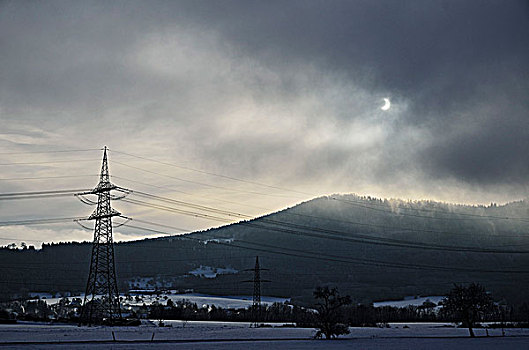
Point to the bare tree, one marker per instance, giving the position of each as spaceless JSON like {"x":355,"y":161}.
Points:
{"x":469,"y":304}
{"x":329,"y":306}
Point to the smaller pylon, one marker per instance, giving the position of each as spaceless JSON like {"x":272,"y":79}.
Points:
{"x":256,"y":306}
{"x":257,"y":285}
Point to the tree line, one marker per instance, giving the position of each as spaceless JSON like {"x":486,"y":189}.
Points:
{"x":331,"y":313}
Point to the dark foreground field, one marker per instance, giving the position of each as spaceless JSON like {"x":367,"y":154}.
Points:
{"x":217,"y":335}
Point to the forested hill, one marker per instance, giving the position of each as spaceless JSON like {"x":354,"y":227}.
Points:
{"x":370,"y":248}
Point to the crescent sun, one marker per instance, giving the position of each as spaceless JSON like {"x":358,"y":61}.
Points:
{"x":387,"y":104}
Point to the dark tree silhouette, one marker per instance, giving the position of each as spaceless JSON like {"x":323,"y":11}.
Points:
{"x":329,"y":305}
{"x":468,"y":304}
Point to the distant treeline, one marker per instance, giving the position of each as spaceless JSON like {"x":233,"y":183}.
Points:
{"x":352,"y":315}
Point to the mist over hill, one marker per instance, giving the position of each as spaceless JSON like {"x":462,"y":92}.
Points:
{"x":370,"y":248}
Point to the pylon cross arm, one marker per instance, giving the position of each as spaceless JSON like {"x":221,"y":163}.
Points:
{"x":95,"y":215}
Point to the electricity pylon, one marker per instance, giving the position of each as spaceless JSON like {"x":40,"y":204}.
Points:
{"x":256,"y":305}
{"x":101,"y":300}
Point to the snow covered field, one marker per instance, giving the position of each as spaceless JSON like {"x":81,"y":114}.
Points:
{"x":225,"y":302}
{"x":229,"y":335}
{"x":201,"y":300}
{"x":235,"y":301}
{"x":233,"y":335}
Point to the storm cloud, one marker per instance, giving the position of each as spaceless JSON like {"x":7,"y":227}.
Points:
{"x":281,"y":92}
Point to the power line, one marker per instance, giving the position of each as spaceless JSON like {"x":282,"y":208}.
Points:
{"x":45,"y":266}
{"x":325,"y":257}
{"x":24,"y":283}
{"x":191,"y":205}
{"x":57,"y":151}
{"x":365,"y":239}
{"x":46,"y":194}
{"x":39,"y":221}
{"x":197,"y":182}
{"x":160,"y":225}
{"x":38,"y":196}
{"x":175,"y":210}
{"x":287,"y":211}
{"x":474,"y":216}
{"x":50,"y":162}
{"x":260,"y":244}
{"x":331,"y":234}
{"x":192,"y":194}
{"x":316,"y":195}
{"x":15,"y":195}
{"x":266,"y":185}
{"x":45,"y":177}
{"x":209,"y":173}
{"x":18,"y":239}
{"x":328,"y":257}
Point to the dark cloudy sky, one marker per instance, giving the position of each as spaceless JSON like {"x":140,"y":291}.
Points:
{"x":286,"y":93}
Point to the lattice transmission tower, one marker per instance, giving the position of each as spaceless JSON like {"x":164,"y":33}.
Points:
{"x":101,"y":301}
{"x":256,"y":306}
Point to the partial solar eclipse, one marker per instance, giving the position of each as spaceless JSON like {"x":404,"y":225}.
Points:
{"x":387,"y":104}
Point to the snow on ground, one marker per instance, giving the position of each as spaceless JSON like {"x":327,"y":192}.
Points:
{"x":219,"y":240}
{"x":204,"y":335}
{"x":364,"y":344}
{"x":211,"y":272}
{"x":226,"y":302}
{"x":415,"y":301}
{"x":231,"y":335}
